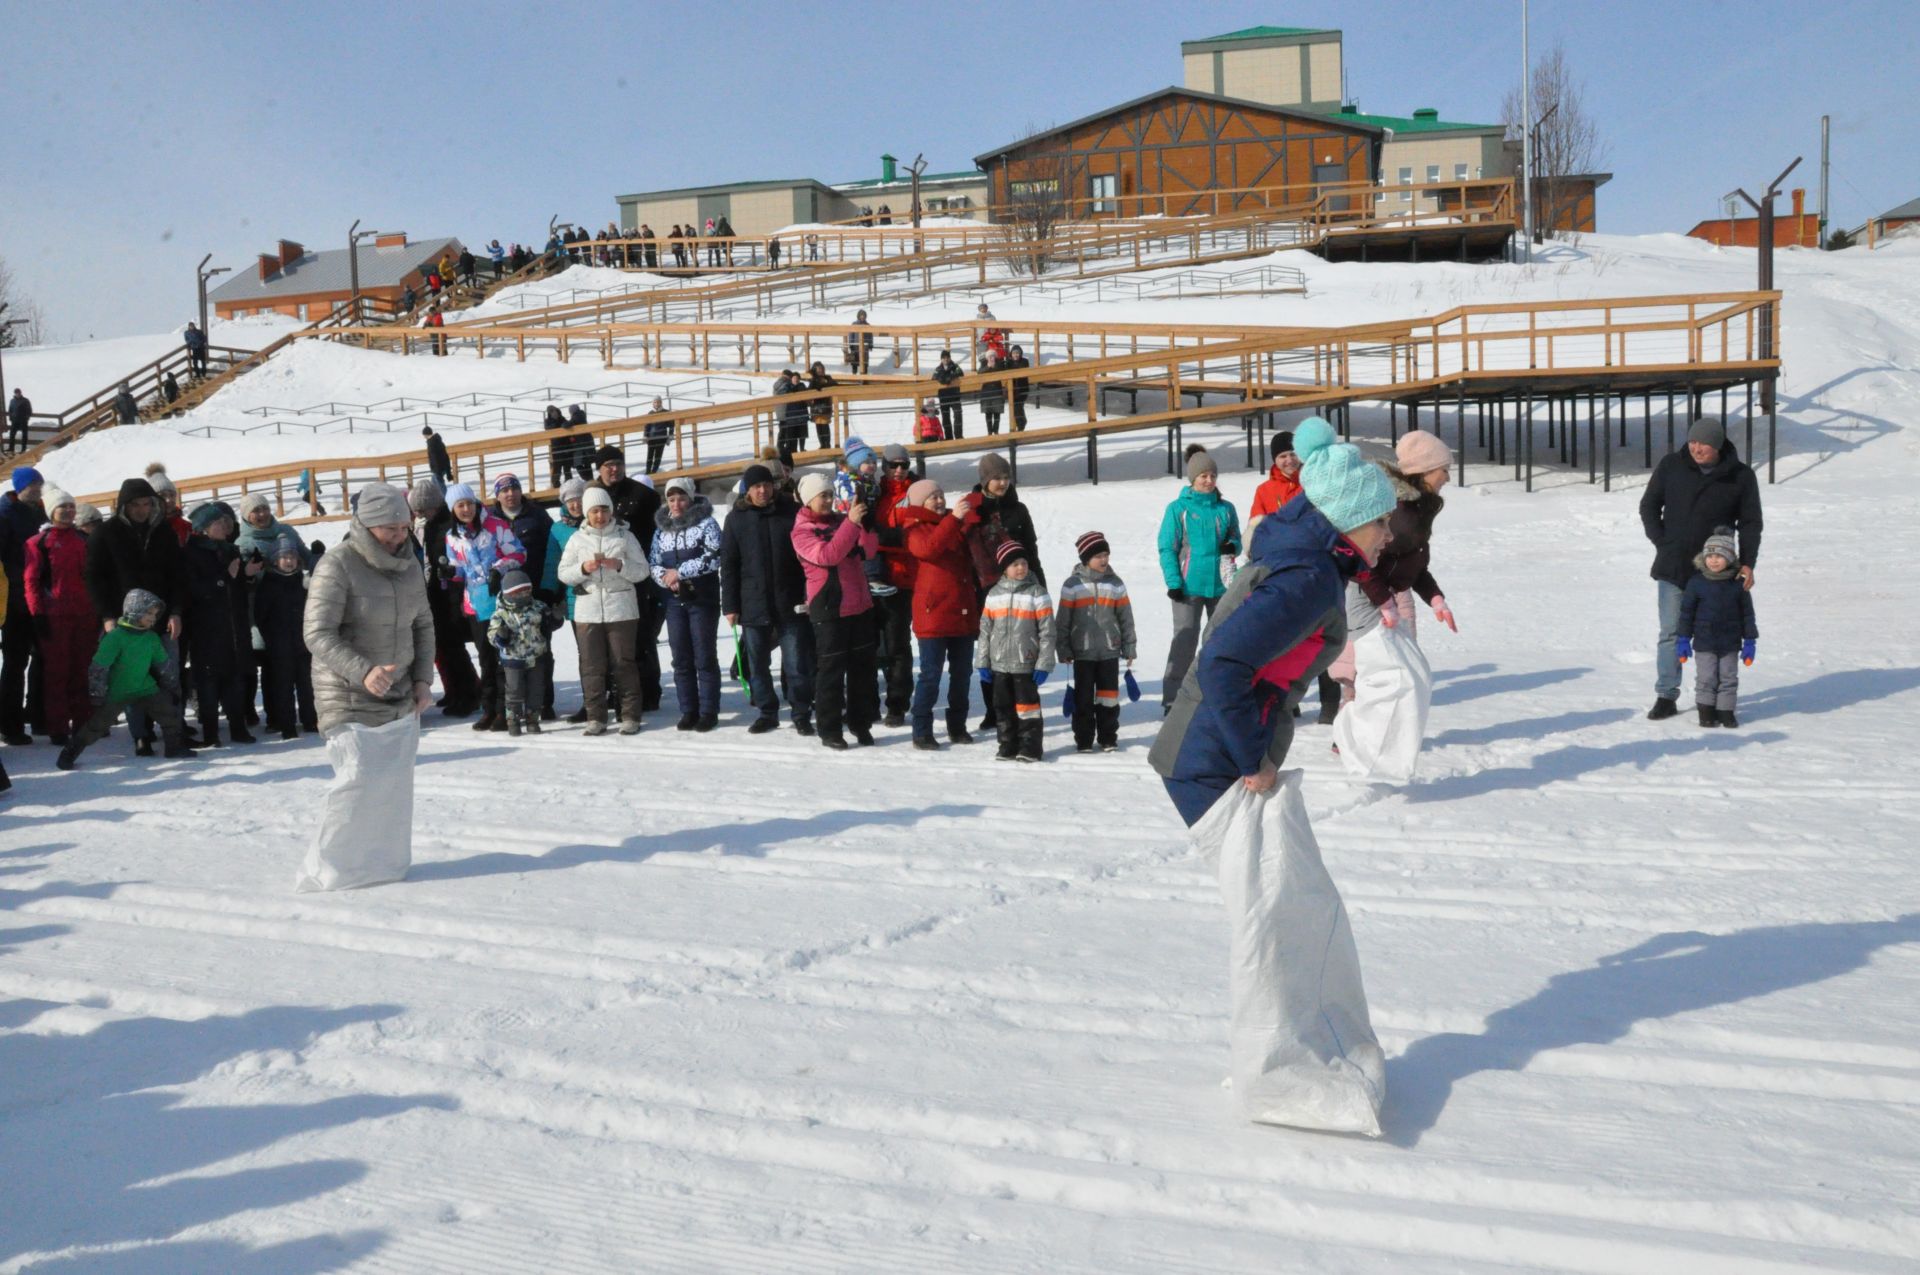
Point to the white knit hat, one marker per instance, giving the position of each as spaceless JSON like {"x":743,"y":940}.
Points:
{"x":52,"y":498}
{"x":596,"y":498}
{"x":813,"y":485}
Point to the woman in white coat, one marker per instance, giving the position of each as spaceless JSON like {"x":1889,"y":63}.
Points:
{"x":602,"y":564}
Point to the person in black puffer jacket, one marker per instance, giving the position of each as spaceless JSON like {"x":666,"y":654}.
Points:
{"x":763,"y":591}
{"x":138,"y":549}
{"x":458,"y":679}
{"x":219,"y":636}
{"x":1693,"y":491}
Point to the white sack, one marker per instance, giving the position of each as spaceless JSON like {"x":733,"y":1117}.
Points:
{"x":1304,"y":1052}
{"x":366,"y":830}
{"x":1380,"y":732}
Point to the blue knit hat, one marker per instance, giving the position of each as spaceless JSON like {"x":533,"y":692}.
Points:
{"x":25,"y":477}
{"x":212,"y":511}
{"x":1342,"y":484}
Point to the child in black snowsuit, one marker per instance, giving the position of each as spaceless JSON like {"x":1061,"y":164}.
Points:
{"x":218,"y":638}
{"x":1717,"y":629}
{"x":279,"y":607}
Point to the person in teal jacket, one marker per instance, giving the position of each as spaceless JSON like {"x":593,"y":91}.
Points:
{"x":1199,"y":538}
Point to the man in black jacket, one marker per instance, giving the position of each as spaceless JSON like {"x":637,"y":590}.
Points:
{"x":1017,"y":388}
{"x":22,"y":513}
{"x":763,"y":593}
{"x":19,"y":414}
{"x":635,"y":504}
{"x":948,"y":374}
{"x":137,"y":549}
{"x":450,"y":631}
{"x":439,"y":464}
{"x":1694,"y":491}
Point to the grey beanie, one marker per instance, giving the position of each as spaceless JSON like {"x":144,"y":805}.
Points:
{"x":1201,"y":463}
{"x":381,"y":505}
{"x":425,"y":498}
{"x":251,"y":501}
{"x":1708,"y":430}
{"x":1721,"y":542}
{"x":574,"y":488}
{"x":993,"y":465}
{"x":895,"y":454}
{"x":138,"y":602}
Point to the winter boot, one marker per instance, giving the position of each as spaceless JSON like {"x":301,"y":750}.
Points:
{"x":926,"y":743}
{"x":834,"y":740}
{"x":957,"y":733}
{"x":803,"y":727}
{"x":69,"y":758}
{"x":1727,"y":718}
{"x":241,"y":735}
{"x":513,"y":724}
{"x":706,"y":723}
{"x":764,"y":723}
{"x":210,"y":735}
{"x":1709,"y":716}
{"x":289,"y":734}
{"x":143,"y":748}
{"x":484,"y":721}
{"x":533,"y":724}
{"x":862,"y":736}
{"x":687,"y":721}
{"x":894,"y":721}
{"x":1662,"y":709}
{"x":178,"y":749}
{"x":595,"y":728}
{"x":631,"y":726}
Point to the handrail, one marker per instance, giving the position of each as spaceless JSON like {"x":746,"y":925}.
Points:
{"x":1297,"y":367}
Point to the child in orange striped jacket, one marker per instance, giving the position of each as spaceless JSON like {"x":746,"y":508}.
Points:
{"x":1096,"y":633}
{"x":1017,"y":648}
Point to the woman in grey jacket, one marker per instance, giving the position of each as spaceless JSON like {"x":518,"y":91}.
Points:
{"x":371,"y":634}
{"x":367,"y":621}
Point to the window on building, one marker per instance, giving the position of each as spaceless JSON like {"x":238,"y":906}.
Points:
{"x":1103,"y":187}
{"x":1406,"y":179}
{"x":1433,"y":173}
{"x":1459,"y":172}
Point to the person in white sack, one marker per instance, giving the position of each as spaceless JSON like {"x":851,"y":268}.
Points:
{"x":1277,"y":628}
{"x":371,"y":634}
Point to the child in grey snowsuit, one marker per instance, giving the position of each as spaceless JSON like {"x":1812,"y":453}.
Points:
{"x":1017,"y":642}
{"x":518,"y":631}
{"x":1096,"y":633}
{"x":1717,"y":629}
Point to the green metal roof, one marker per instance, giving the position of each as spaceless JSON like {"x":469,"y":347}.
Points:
{"x":907,"y":180}
{"x":1265,"y":33}
{"x":1414,"y":124}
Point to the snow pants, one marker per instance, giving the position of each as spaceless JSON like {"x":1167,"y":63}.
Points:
{"x":21,"y":670}
{"x":287,"y":683}
{"x":1188,"y":617}
{"x":693,"y":629}
{"x":894,"y":616}
{"x":1716,"y":680}
{"x":219,"y":686}
{"x":158,"y":708}
{"x":1096,"y":703}
{"x":525,"y":686}
{"x":1016,"y":714}
{"x":67,"y":644}
{"x":606,"y":651}
{"x":843,"y":675}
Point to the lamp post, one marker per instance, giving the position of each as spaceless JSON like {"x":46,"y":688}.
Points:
{"x":9,"y":323}
{"x":1763,"y":208}
{"x":203,"y":275}
{"x":1526,"y":134}
{"x":354,"y":236}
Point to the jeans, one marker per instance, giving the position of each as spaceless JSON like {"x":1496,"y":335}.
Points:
{"x":956,"y":655}
{"x":1666,"y":664}
{"x":1187,"y":619}
{"x":692,"y":631}
{"x":793,"y":637}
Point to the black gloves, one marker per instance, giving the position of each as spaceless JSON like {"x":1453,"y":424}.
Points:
{"x":1178,"y":595}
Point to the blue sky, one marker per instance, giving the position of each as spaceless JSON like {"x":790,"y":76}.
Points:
{"x":139,"y":136}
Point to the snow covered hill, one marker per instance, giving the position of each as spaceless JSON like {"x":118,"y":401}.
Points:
{"x":1650,"y":994}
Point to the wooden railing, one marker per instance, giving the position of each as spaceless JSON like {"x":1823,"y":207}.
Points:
{"x":1546,"y":346}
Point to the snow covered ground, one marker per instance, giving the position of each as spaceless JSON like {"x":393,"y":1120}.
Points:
{"x":1651,"y":994}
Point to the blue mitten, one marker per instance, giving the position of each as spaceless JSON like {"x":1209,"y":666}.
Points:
{"x":1066,"y":701}
{"x":986,"y":676}
{"x":1133,"y":688}
{"x":1746,"y":652}
{"x":1683,"y":647}
{"x":1040,"y":677}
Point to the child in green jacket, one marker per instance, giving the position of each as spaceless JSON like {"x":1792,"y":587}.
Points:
{"x":130,"y":668}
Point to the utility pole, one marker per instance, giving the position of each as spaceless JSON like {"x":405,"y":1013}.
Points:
{"x":1825,"y":168}
{"x":918,"y":166}
{"x":1763,"y":207}
{"x":1526,"y":133}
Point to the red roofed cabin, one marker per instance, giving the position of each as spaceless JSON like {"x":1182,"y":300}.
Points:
{"x":307,"y":285}
{"x":1797,"y":229}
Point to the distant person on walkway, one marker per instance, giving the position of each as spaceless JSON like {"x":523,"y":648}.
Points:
{"x":468,"y":274}
{"x":820,"y":409}
{"x":1695,"y":491}
{"x":993,"y":395}
{"x":559,"y":450}
{"x":125,"y":410}
{"x":580,"y":444}
{"x":196,"y":343}
{"x":947,"y":374}
{"x":792,"y":434}
{"x":658,"y":435}
{"x":499,"y":257}
{"x":19,"y":416}
{"x":439,"y":464}
{"x":22,"y":670}
{"x":859,"y":345}
{"x":1017,"y":388}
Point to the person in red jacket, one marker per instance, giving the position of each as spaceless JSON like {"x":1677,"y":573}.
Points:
{"x":63,"y":619}
{"x":946,"y":606}
{"x":1282,"y":485}
{"x":833,"y":549}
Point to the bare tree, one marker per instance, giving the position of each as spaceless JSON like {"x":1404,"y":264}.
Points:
{"x":1566,"y":139}
{"x":19,"y":306}
{"x":1037,"y":202}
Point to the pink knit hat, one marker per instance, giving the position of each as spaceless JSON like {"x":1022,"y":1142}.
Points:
{"x":1420,"y":452}
{"x":921,"y":492}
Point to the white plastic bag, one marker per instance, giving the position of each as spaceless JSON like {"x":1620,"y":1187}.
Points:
{"x":366,"y":830}
{"x":1380,"y":732}
{"x":1304,"y":1052}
